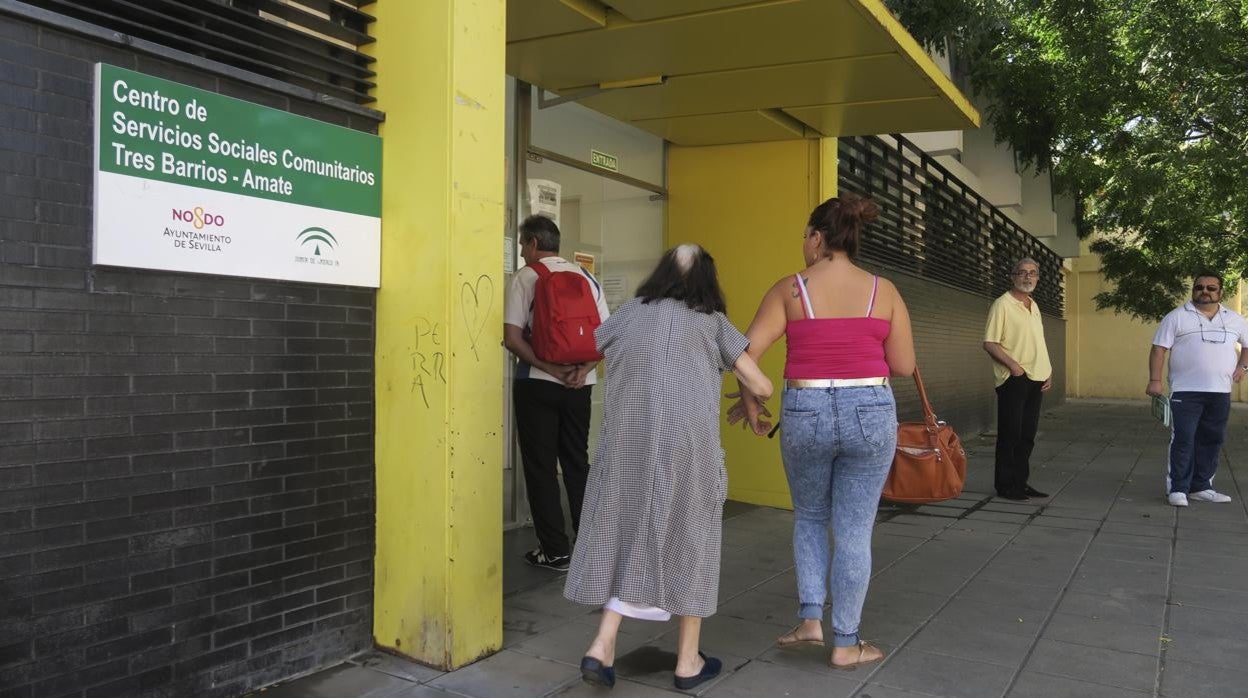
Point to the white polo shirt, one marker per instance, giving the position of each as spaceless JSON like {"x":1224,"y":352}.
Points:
{"x":519,"y":308}
{"x":1203,"y":351}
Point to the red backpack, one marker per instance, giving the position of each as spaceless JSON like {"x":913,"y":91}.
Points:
{"x":565,"y":316}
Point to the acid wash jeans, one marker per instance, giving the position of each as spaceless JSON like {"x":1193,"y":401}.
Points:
{"x":838,"y":446}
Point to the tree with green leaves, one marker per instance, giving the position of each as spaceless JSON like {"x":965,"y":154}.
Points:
{"x":1139,"y":107}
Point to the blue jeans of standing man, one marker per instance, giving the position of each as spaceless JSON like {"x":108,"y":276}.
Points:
{"x":1198,"y":421}
{"x":838,"y":445}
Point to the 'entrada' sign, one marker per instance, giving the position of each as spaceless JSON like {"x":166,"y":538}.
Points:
{"x":190,"y":180}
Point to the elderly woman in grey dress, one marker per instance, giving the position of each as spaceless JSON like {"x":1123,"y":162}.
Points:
{"x":649,"y":541}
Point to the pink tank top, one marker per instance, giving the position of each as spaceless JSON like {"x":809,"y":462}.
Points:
{"x":836,"y":347}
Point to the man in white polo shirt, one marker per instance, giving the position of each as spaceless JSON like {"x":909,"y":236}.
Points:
{"x":1201,"y":336}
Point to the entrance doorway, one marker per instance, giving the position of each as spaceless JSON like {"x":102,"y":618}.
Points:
{"x":611,"y":223}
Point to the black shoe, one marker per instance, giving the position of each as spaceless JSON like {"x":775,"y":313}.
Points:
{"x":710,"y":669}
{"x":595,"y":674}
{"x":1033,"y":492}
{"x":537,"y":558}
{"x":1016,"y":495}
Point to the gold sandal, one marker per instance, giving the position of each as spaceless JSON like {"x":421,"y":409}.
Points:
{"x":791,"y":639}
{"x":862,"y":650}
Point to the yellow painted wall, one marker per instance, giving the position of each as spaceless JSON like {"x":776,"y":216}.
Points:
{"x":747,"y":204}
{"x":1107,"y":353}
{"x":441,"y":81}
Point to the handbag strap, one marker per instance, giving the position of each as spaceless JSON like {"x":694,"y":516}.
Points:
{"x":929,"y":415}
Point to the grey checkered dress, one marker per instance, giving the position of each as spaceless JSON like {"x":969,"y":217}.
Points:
{"x":650,"y":529}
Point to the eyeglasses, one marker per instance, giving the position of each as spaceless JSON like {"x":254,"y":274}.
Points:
{"x":1027,"y":274}
{"x":1212,"y":289}
{"x":1217,"y":336}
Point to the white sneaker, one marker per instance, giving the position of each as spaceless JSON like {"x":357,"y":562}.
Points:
{"x":1209,"y":496}
{"x":1177,"y":499}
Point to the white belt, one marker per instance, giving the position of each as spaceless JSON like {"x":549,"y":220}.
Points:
{"x":833,"y":382}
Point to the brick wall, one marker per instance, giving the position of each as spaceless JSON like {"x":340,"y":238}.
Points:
{"x":186,"y":464}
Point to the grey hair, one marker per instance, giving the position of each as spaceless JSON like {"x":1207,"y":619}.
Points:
{"x":1021,"y":262}
{"x":685,"y":256}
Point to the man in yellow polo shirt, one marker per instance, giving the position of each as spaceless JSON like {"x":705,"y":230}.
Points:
{"x":1014,"y":338}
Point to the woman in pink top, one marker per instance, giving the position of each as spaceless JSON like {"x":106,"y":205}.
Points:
{"x":848,"y":331}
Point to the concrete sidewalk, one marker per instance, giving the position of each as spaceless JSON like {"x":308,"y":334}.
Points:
{"x":1102,"y":590}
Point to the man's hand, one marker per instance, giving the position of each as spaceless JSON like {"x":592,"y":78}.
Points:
{"x":563,"y":373}
{"x":1154,"y":388}
{"x":1017,"y":370}
{"x":752,"y":410}
{"x":578,"y":374}
{"x":1048,"y":383}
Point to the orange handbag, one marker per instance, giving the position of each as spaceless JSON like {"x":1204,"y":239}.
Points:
{"x":929,"y":465}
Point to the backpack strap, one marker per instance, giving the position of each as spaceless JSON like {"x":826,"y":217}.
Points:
{"x":540,"y":269}
{"x":801,"y":289}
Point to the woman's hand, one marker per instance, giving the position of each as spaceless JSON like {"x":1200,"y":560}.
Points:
{"x":750,"y":409}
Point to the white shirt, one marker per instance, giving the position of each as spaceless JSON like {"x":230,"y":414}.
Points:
{"x":1203,"y":352}
{"x":519,"y":310}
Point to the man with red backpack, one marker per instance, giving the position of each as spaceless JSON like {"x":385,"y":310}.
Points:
{"x":553,"y":307}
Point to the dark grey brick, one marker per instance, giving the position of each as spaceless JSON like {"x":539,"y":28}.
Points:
{"x":131,"y":363}
{"x":81,"y":343}
{"x":81,"y":470}
{"x":138,"y":484}
{"x":129,"y":404}
{"x":130,"y":324}
{"x":114,"y":445}
{"x":177,"y":421}
{"x":56,"y":386}
{"x":62,"y":257}
{"x":171,"y":462}
{"x":113,"y":528}
{"x":216,"y":327}
{"x":171,"y":500}
{"x":128,"y":565}
{"x":79,"y":555}
{"x":248,"y":310}
{"x":36,"y":496}
{"x":82,"y":511}
{"x":167,"y":305}
{"x":72,"y":428}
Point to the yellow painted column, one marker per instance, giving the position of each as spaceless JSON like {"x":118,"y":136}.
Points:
{"x":441,"y":83}
{"x":747,"y":204}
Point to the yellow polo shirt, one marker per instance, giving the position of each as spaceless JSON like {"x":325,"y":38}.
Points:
{"x":1020,"y":332}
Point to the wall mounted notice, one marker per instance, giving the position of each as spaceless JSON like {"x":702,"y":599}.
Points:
{"x":190,"y":180}
{"x":544,"y":196}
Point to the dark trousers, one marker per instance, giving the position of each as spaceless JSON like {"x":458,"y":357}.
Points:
{"x":1198,"y":421}
{"x":552,"y":423}
{"x":1018,"y":416}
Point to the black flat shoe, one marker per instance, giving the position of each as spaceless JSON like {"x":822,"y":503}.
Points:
{"x":710,"y":669}
{"x":1017,"y":496}
{"x":1033,"y":492}
{"x":595,"y":674}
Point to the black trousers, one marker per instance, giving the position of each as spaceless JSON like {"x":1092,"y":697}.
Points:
{"x":1018,"y":416}
{"x":552,"y":423}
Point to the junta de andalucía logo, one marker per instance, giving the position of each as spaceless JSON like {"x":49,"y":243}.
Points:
{"x":317,"y":246}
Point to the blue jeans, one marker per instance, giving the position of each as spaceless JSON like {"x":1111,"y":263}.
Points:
{"x":1198,"y":423}
{"x":838,"y":445}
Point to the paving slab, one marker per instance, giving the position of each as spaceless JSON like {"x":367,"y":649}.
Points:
{"x":938,"y":674}
{"x":1032,"y":684}
{"x":508,"y":673}
{"x":767,"y":679}
{"x":1189,"y":679}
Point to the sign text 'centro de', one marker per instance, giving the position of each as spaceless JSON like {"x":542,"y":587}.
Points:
{"x":190,"y":180}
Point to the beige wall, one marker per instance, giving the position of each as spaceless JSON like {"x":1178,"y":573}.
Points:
{"x":1107,"y":353}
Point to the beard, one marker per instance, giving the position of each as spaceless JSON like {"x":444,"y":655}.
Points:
{"x":1203,"y":299}
{"x":1025,"y":287}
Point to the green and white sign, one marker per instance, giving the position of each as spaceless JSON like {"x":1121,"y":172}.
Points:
{"x":190,"y":180}
{"x":606,"y":161}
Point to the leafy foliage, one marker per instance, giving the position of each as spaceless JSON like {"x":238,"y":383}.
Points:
{"x":1140,"y":107}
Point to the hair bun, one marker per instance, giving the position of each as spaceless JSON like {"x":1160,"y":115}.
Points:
{"x":861,"y":209}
